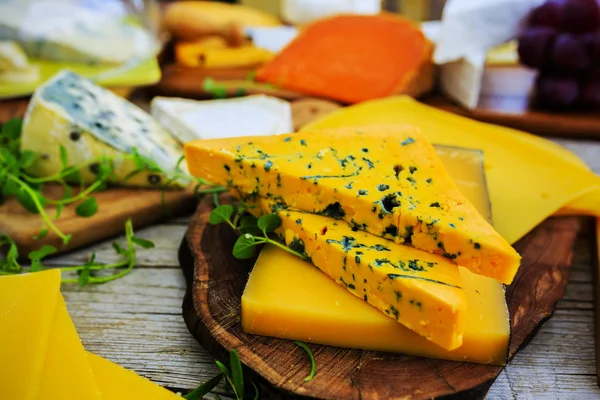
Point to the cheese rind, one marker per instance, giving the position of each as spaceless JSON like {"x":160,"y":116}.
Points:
{"x":24,"y":298}
{"x":422,"y":291}
{"x":386,"y":180}
{"x":288,"y":298}
{"x":91,"y":122}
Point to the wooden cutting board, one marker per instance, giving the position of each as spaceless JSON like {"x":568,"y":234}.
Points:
{"x":497,"y":105}
{"x":211,"y":309}
{"x":115,"y":206}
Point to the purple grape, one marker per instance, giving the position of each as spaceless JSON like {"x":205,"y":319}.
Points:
{"x":569,"y":53}
{"x":579,"y":16}
{"x":548,"y":14}
{"x":590,"y":90}
{"x":535,"y":44}
{"x":556,"y":91}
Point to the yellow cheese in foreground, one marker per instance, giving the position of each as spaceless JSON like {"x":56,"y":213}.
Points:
{"x":386,"y":180}
{"x":289,"y":298}
{"x":118,"y":383}
{"x":67,"y":373}
{"x":422,"y":291}
{"x":27,"y":306}
{"x":527,"y":182}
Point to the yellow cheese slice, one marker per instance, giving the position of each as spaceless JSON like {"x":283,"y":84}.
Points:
{"x":385,"y":179}
{"x":422,"y":291}
{"x":67,"y":373}
{"x":118,"y":383}
{"x":288,"y":298}
{"x":527,"y":182}
{"x":27,"y":306}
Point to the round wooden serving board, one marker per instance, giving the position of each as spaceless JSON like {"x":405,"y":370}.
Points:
{"x":211,"y":309}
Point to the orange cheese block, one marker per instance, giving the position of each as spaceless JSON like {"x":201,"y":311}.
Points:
{"x":27,"y":307}
{"x":353,"y":58}
{"x":118,"y":383}
{"x":385,"y":179}
{"x":422,"y":291}
{"x":289,"y":298}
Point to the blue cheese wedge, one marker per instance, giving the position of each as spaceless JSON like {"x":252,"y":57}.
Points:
{"x":212,"y":119}
{"x":91,"y":123}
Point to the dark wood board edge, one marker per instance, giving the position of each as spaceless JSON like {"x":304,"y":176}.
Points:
{"x":554,"y":283}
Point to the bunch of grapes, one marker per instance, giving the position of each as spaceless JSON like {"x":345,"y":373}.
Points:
{"x":562,"y":41}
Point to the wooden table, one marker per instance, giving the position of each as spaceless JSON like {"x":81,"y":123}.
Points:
{"x":136,"y":321}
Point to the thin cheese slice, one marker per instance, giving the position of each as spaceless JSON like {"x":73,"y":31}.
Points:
{"x":27,"y":307}
{"x":386,"y":180}
{"x":67,"y":373}
{"x":118,"y":383}
{"x":288,"y":298}
{"x":422,"y":291}
{"x":528,"y":181}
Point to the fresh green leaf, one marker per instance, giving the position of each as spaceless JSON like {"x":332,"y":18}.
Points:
{"x":145,"y":163}
{"x":204,"y":389}
{"x":237,"y":373}
{"x":64,"y":157}
{"x":84,"y":276}
{"x":26,"y":158}
{"x":87,"y":208}
{"x":313,"y":364}
{"x":26,"y":197}
{"x":10,"y":263}
{"x":248,"y":224}
{"x":42,"y":234}
{"x":59,"y":209}
{"x":42,"y":252}
{"x":244,"y":246}
{"x":9,"y":160}
{"x":220,"y":214}
{"x":144,"y":243}
{"x":11,"y":129}
{"x":269,"y":222}
{"x":256,"y":392}
{"x":73,"y":176}
{"x":215,"y":198}
{"x":119,"y":249}
{"x":10,"y":188}
{"x":223,"y":368}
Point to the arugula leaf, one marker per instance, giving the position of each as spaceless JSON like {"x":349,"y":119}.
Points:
{"x":87,"y":208}
{"x":10,"y":188}
{"x":204,"y":389}
{"x":269,"y":222}
{"x":84,"y":276}
{"x":144,"y":243}
{"x":11,"y":129}
{"x":237,"y":373}
{"x":10,"y":263}
{"x":220,"y":214}
{"x":223,"y":368}
{"x":244,"y":246}
{"x":313,"y":364}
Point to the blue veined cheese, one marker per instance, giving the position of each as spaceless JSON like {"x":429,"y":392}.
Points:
{"x":72,"y":32}
{"x":212,"y":119}
{"x":92,"y":122}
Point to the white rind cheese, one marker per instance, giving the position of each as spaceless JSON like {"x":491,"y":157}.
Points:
{"x":217,"y":119}
{"x":92,"y":122}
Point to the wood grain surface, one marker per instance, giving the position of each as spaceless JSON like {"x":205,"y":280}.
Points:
{"x":115,"y":207}
{"x":212,"y":312}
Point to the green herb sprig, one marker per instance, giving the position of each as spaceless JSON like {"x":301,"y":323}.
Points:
{"x":313,"y":364}
{"x":88,"y":272}
{"x":253,"y":232}
{"x":233,"y":376}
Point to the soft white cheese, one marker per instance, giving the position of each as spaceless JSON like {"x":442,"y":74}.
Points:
{"x":211,"y":119}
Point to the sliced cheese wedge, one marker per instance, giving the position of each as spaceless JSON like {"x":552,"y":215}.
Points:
{"x":118,"y":383}
{"x":67,"y":372}
{"x":92,"y":122}
{"x":422,"y":291}
{"x":386,"y":180}
{"x":528,"y":177}
{"x":27,"y":307}
{"x":288,"y":298}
